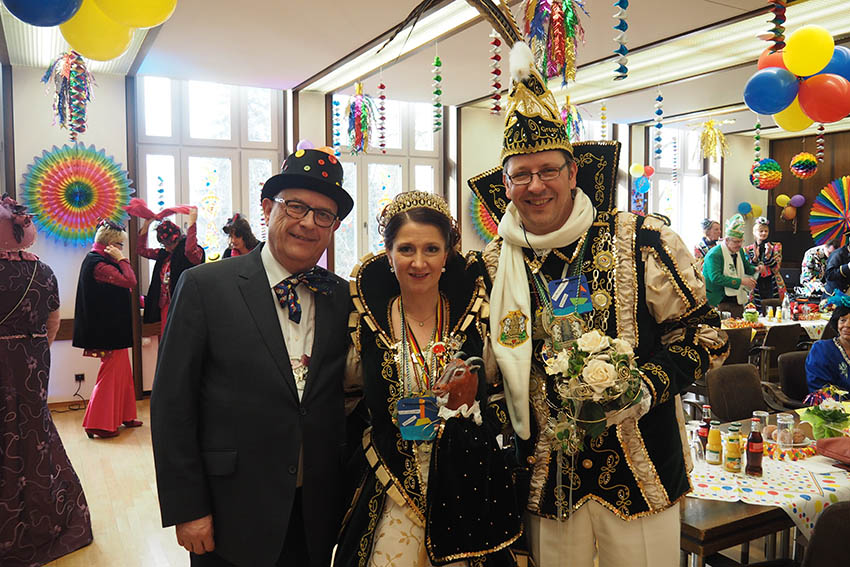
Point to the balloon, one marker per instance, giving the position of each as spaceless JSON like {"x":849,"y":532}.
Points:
{"x":138,"y":13}
{"x":825,"y":98}
{"x":797,"y":200}
{"x":757,"y":210}
{"x":636,"y":170}
{"x":305,"y":145}
{"x":745,"y":208}
{"x":789,"y":212}
{"x":44,"y":13}
{"x":642,"y":184}
{"x":95,"y":36}
{"x":648,"y":170}
{"x":768,"y":59}
{"x":783,"y":200}
{"x":808,"y":50}
{"x":792,"y":119}
{"x":839,"y":64}
{"x":770,"y":90}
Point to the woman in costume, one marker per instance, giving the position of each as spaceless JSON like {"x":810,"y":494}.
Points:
{"x":711,"y":234}
{"x":43,"y":510}
{"x":103,"y":328}
{"x":767,"y":258}
{"x":436,"y":490}
{"x":828,"y":361}
{"x":242,"y":239}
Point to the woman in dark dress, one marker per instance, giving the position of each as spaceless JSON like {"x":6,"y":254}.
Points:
{"x":242,"y":239}
{"x":43,"y":511}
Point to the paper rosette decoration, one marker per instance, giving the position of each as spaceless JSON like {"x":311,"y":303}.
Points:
{"x":766,"y":174}
{"x":830,"y":215}
{"x":485,"y":225}
{"x":803,"y":165}
{"x":69,"y":189}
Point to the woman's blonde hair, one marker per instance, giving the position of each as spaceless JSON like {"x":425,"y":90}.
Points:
{"x":109,"y":233}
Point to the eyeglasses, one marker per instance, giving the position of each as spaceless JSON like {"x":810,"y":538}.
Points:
{"x":548,"y":174}
{"x":298,"y":210}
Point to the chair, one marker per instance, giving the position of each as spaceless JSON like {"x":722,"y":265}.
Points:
{"x":778,"y":340}
{"x":792,"y":375}
{"x":739,"y":345}
{"x":829,"y":333}
{"x":734,"y":392}
{"x":776,"y":303}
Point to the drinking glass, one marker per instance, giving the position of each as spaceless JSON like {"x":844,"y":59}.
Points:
{"x":697,"y":453}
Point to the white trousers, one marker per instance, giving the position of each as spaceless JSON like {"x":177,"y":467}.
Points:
{"x":595,"y":532}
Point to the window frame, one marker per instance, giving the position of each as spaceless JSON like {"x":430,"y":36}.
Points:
{"x":235,"y":120}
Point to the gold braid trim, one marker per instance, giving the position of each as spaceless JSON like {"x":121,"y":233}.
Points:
{"x":388,"y":481}
{"x":641,"y":465}
{"x":625,"y":276}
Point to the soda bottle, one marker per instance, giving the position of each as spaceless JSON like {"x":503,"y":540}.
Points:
{"x":705,"y":426}
{"x":755,"y":449}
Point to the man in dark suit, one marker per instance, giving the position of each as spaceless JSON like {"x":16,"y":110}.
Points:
{"x":247,"y":410}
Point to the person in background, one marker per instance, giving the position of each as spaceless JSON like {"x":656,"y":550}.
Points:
{"x":828,"y":361}
{"x":766,"y":256}
{"x":838,"y":268}
{"x":242,"y":239}
{"x":103,"y":328}
{"x":727,"y":272}
{"x":813,"y":274}
{"x":43,"y":510}
{"x":711,"y":234}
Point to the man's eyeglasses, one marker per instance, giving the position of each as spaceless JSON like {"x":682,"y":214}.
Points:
{"x":548,"y":174}
{"x":298,"y":210}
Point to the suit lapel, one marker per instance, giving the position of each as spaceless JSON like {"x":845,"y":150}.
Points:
{"x":254,"y":285}
{"x":322,"y":326}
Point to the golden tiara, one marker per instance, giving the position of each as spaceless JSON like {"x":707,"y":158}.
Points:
{"x":408,"y":200}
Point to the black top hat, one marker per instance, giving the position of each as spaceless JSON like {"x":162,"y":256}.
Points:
{"x":315,"y":170}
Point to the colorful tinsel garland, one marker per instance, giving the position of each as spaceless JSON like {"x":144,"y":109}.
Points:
{"x":73,"y":90}
{"x":552,"y":30}
{"x":360,"y":116}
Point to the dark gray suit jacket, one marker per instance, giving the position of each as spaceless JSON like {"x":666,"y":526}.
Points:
{"x":226,"y":421}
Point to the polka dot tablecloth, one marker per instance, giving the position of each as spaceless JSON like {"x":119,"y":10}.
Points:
{"x":800,"y":492}
{"x":813,"y":327}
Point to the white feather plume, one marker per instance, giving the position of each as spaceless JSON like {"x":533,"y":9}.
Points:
{"x":522,"y":61}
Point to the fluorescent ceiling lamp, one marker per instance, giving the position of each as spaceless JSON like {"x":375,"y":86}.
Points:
{"x":775,"y":132}
{"x":427,"y":29}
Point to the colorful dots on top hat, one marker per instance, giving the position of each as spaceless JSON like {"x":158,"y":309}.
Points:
{"x":299,"y":153}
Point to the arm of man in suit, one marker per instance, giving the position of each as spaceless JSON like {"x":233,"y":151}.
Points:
{"x":175,"y":421}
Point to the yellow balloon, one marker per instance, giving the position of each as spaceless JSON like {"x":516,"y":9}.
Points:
{"x":138,"y":13}
{"x":792,"y":119}
{"x":756,"y":211}
{"x":636,"y":170}
{"x":95,"y":36}
{"x":808,"y":50}
{"x":782,"y":200}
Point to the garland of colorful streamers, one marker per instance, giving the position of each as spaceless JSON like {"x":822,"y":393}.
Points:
{"x":73,"y":84}
{"x":821,"y":143}
{"x":69,"y":189}
{"x":712,"y":141}
{"x":659,"y":115}
{"x":777,"y":33}
{"x":573,"y":121}
{"x":775,"y":452}
{"x":337,"y":124}
{"x":485,"y":225}
{"x":496,"y":72}
{"x":622,"y":70}
{"x":830,"y":214}
{"x":803,"y":165}
{"x":603,"y":121}
{"x":360,"y":115}
{"x":766,"y":174}
{"x":437,"y":70}
{"x":382,"y":116}
{"x":552,"y":28}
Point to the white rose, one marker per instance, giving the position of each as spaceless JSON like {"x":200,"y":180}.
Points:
{"x":559,"y":364}
{"x":830,"y":404}
{"x":593,"y":341}
{"x":599,"y":375}
{"x":622,"y":347}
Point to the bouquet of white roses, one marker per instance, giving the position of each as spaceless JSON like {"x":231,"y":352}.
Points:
{"x":595,"y":377}
{"x":828,"y":419}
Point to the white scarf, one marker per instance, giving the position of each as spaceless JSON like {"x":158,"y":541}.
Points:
{"x":736,"y":271}
{"x":511,"y":293}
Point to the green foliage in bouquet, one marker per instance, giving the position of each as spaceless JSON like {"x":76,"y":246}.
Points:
{"x":828,"y":419}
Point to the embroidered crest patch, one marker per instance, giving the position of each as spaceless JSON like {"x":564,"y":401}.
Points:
{"x":512,"y":329}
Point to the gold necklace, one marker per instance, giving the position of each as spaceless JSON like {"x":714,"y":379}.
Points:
{"x":415,"y":320}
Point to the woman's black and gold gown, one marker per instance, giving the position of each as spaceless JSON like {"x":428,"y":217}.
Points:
{"x":444,"y":502}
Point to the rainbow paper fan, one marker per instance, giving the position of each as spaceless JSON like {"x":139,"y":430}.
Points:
{"x":69,"y":189}
{"x":485,"y":225}
{"x":830,"y":215}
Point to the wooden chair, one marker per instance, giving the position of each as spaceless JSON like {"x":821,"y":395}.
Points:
{"x":792,"y":375}
{"x":734,"y":392}
{"x":778,"y":340}
{"x":740,"y":341}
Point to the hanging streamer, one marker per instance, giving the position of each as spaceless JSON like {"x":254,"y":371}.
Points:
{"x":659,"y":114}
{"x":73,"y":84}
{"x":821,"y":143}
{"x":382,"y":116}
{"x":573,"y":121}
{"x":496,"y":73}
{"x":438,"y":93}
{"x":603,"y":118}
{"x":622,"y":70}
{"x":757,"y":143}
{"x":777,"y":33}
{"x":712,"y":141}
{"x":360,"y":115}
{"x":552,"y":28}
{"x":337,"y":123}
{"x":674,"y":177}
{"x":160,"y":192}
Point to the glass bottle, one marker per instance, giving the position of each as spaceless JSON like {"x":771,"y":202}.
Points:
{"x":755,"y":448}
{"x":705,"y":426}
{"x":732,"y":455}
{"x":714,"y":447}
{"x":786,"y":308}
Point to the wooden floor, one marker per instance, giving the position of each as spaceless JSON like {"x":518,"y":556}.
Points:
{"x":120,"y":486}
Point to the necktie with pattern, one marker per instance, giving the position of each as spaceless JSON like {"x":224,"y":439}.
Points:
{"x":316,"y":279}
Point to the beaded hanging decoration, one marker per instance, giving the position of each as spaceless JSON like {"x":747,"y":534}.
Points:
{"x":757,"y":143}
{"x":604,"y":119}
{"x":337,"y":123}
{"x":382,"y":115}
{"x":622,"y":70}
{"x":659,"y":114}
{"x":776,"y":34}
{"x":73,"y":87}
{"x":821,"y":143}
{"x":437,"y":70}
{"x":496,"y":73}
{"x":674,"y":176}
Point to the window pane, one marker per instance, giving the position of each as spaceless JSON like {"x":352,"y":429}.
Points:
{"x":157,"y":93}
{"x":423,"y":126}
{"x":423,"y":176}
{"x":689,"y":226}
{"x":259,"y":103}
{"x":211,"y":189}
{"x":209,"y":111}
{"x":669,"y":139}
{"x":259,"y":170}
{"x":666,"y":199}
{"x":345,"y":237}
{"x":384,"y":184}
{"x":694,"y":152}
{"x":160,"y":191}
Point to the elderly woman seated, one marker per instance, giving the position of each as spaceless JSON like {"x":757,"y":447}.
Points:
{"x":829,"y":360}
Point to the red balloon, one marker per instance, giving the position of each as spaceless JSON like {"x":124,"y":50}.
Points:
{"x":768,"y":59}
{"x":648,"y":170}
{"x":825,"y":98}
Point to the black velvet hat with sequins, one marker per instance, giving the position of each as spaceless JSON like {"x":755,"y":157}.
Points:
{"x":316,"y":170}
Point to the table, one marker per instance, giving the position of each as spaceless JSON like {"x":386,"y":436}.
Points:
{"x":814,"y":328}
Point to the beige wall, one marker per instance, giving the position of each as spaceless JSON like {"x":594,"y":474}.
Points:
{"x":480,"y":146}
{"x":736,"y":180}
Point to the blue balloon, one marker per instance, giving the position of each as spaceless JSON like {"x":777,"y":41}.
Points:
{"x":770,"y":90}
{"x":745,"y":208}
{"x":642,"y":184}
{"x":839,"y":64}
{"x":44,"y":13}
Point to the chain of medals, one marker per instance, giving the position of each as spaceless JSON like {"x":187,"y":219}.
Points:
{"x":424,"y":365}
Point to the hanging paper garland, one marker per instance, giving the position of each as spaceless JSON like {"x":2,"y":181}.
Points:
{"x":438,"y":93}
{"x":573,"y":121}
{"x":712,"y":141}
{"x":777,"y":33}
{"x":160,"y":192}
{"x":757,"y":143}
{"x":830,"y":214}
{"x":659,"y":113}
{"x":552,"y":28}
{"x":766,"y":174}
{"x":69,"y":189}
{"x":382,"y":116}
{"x":603,"y":119}
{"x":674,"y":176}
{"x":337,"y":123}
{"x":73,"y":84}
{"x":485,"y":225}
{"x":821,"y":143}
{"x":360,"y":115}
{"x":803,"y":165}
{"x":622,"y":70}
{"x":496,"y":72}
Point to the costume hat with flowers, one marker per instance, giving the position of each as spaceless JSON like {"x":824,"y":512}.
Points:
{"x":314,"y":169}
{"x":735,"y":226}
{"x":17,"y":231}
